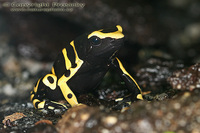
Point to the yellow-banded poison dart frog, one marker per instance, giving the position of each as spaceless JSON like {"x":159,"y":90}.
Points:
{"x":80,"y":67}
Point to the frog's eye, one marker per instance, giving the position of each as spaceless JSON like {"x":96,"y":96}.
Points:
{"x":95,"y":40}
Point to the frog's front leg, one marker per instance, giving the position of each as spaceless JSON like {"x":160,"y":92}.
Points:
{"x":128,"y":79}
{"x":39,"y":94}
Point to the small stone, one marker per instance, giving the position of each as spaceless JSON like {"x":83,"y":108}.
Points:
{"x":178,"y":86}
{"x":9,"y":90}
{"x":85,"y":116}
{"x":110,"y":120}
{"x":177,"y":106}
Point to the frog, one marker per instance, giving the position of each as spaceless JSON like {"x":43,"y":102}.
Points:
{"x":80,"y":67}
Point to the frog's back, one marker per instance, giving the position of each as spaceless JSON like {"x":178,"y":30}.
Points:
{"x":65,"y":60}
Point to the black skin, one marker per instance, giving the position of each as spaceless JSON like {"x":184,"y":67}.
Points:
{"x":98,"y":56}
{"x":94,"y":68}
{"x":95,"y":65}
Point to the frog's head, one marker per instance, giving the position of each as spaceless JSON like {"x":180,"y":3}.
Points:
{"x":101,"y":44}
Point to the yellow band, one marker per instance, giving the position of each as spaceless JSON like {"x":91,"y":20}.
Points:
{"x":139,"y":96}
{"x":47,"y":83}
{"x":117,"y":34}
{"x":67,"y":61}
{"x":62,"y":82}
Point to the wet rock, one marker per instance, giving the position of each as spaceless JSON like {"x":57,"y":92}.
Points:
{"x":32,"y":120}
{"x":74,"y":119}
{"x":86,"y":119}
{"x":153,"y":76}
{"x":177,"y":115}
{"x":186,"y":79}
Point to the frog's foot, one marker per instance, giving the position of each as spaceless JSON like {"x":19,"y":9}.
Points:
{"x":52,"y":107}
{"x":122,"y":104}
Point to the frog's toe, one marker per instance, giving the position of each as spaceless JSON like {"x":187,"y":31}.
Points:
{"x":53,"y":107}
{"x":122,"y":104}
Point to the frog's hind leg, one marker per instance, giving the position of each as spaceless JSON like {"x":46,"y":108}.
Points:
{"x":122,"y":104}
{"x":47,"y":105}
{"x":38,"y":95}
